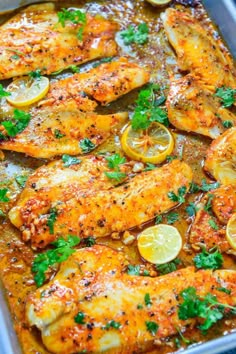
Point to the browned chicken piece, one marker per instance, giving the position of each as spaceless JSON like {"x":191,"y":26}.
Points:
{"x":193,"y":108}
{"x":211,"y":219}
{"x":33,"y":39}
{"x":221,"y":158}
{"x":105,"y":83}
{"x":197,"y":51}
{"x":89,"y":210}
{"x":92,"y":285}
{"x":61,"y":129}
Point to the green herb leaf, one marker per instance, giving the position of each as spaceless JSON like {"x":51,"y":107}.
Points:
{"x":114,"y":161}
{"x":178,"y":197}
{"x":73,"y":68}
{"x":102,"y":61}
{"x":58,"y":134}
{"x":89,"y":241}
{"x":170,"y":158}
{"x":35,"y":74}
{"x":51,"y":220}
{"x":191,"y":209}
{"x":112,"y":324}
{"x":133,"y":269}
{"x":147,"y":300}
{"x":3,"y":93}
{"x":207,"y":260}
{"x":3,"y":197}
{"x":227,"y":124}
{"x":213,"y":224}
{"x":208,"y":206}
{"x":118,"y":176}
{"x":152,"y":327}
{"x":172,"y":218}
{"x":79,"y":318}
{"x":146,"y":110}
{"x":86,"y":145}
{"x":168,"y":267}
{"x":21,"y":180}
{"x":2,"y":214}
{"x":139,"y":306}
{"x":227,"y":96}
{"x":224,"y":290}
{"x":62,"y":250}
{"x":22,"y":120}
{"x":150,"y":167}
{"x":15,"y":57}
{"x":159,"y":219}
{"x":70,"y":160}
{"x":132,"y":35}
{"x":74,"y":16}
{"x":206,"y":187}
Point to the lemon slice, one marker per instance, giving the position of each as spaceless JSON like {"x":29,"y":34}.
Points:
{"x":26,"y":90}
{"x":159,"y":2}
{"x":231,"y":231}
{"x":159,"y":244}
{"x":150,"y":145}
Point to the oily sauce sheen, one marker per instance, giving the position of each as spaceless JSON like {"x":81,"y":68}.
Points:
{"x":157,"y":56}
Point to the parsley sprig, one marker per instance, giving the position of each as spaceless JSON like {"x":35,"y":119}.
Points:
{"x":35,"y":74}
{"x":86,"y":145}
{"x":204,"y":187}
{"x":147,"y":108}
{"x":179,"y":197}
{"x":62,"y":250}
{"x":207,"y":308}
{"x":3,"y":93}
{"x":208,"y":260}
{"x":114,"y":162}
{"x":168,"y":267}
{"x":21,"y":122}
{"x":51,"y":220}
{"x":132,"y":35}
{"x":227,"y":96}
{"x":3,"y":195}
{"x":74,"y":16}
{"x":70,"y":160}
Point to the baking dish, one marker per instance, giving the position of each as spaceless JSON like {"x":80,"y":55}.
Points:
{"x":8,"y":340}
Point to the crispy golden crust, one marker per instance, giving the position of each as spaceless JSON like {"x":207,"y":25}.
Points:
{"x":33,"y":39}
{"x":90,"y":210}
{"x":197,"y":51}
{"x":221,"y":158}
{"x":93,"y":281}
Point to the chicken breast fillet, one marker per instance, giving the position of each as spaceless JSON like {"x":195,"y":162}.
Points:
{"x":90,"y":211}
{"x":193,"y":108}
{"x":105,"y":83}
{"x":214,"y":212}
{"x":221,"y":158}
{"x":94,"y":284}
{"x":61,"y":129}
{"x":33,"y":39}
{"x":197,"y":51}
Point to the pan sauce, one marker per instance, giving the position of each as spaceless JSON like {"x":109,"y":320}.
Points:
{"x":16,"y":257}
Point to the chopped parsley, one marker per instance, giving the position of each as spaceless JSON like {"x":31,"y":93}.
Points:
{"x":179,"y":197}
{"x":147,"y":300}
{"x":62,"y":250}
{"x":21,"y":180}
{"x":213,"y":224}
{"x":2,"y":214}
{"x":3,"y":195}
{"x":70,"y":160}
{"x":150,"y":167}
{"x":89,"y":241}
{"x":208,"y":260}
{"x":170,"y":158}
{"x":74,"y":16}
{"x":133,"y":269}
{"x":208,"y":205}
{"x":139,"y":306}
{"x":191,"y":209}
{"x":3,"y":93}
{"x":51,"y":220}
{"x":159,"y":219}
{"x":204,"y":187}
{"x":172,"y":218}
{"x":102,"y":61}
{"x":73,"y":68}
{"x":114,"y":162}
{"x":169,"y":267}
{"x":112,"y":324}
{"x":152,"y":327}
{"x":227,"y":96}
{"x":58,"y":134}
{"x":224,"y":290}
{"x":147,"y":109}
{"x":22,"y":120}
{"x":132,"y":35}
{"x":79,"y":318}
{"x":207,"y":308}
{"x":86,"y":145}
{"x":227,"y":124}
{"x":35,"y":74}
